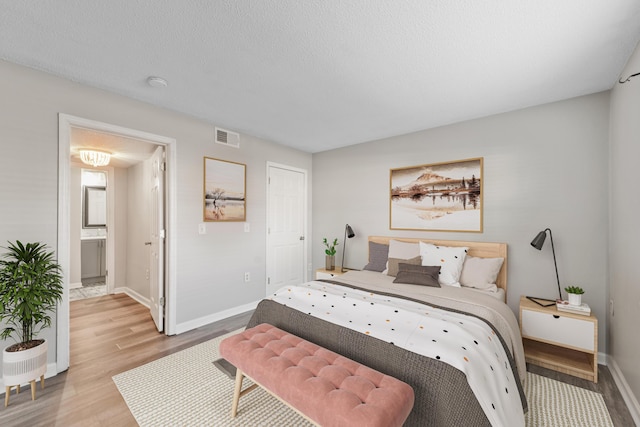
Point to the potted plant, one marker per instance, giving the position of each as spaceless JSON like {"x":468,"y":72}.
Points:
{"x":30,"y":287}
{"x":330,"y":251}
{"x":575,"y":294}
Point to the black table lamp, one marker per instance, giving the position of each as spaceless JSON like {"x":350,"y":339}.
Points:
{"x":348,"y":232}
{"x":537,"y":243}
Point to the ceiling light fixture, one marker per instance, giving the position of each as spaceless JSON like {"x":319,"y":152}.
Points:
{"x":157,"y":82}
{"x":95,"y":158}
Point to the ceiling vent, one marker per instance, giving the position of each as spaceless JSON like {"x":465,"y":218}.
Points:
{"x":225,"y":137}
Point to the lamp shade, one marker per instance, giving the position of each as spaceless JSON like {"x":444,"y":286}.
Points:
{"x":538,"y":241}
{"x":349,"y":231}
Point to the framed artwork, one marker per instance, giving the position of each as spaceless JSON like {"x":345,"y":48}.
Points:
{"x":224,"y":190}
{"x":437,"y":197}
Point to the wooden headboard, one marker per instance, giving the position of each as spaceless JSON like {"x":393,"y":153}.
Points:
{"x":476,"y":249}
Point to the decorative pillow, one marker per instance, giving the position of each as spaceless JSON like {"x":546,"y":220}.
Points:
{"x":395,"y":262}
{"x":450,"y":260}
{"x":378,"y":255}
{"x":402,"y":250}
{"x":480,"y":273}
{"x":425,"y":275}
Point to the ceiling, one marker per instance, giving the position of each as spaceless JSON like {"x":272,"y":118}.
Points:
{"x":323,"y":74}
{"x":125,"y":152}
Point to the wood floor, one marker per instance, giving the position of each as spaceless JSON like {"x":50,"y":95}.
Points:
{"x":113,"y":333}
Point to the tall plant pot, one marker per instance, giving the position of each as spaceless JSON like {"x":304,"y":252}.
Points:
{"x":19,"y":367}
{"x":330,"y":262}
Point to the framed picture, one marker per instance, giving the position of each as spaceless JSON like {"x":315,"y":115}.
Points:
{"x":437,"y":197}
{"x":224,"y":190}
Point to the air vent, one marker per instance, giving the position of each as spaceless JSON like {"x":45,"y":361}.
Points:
{"x":225,"y":137}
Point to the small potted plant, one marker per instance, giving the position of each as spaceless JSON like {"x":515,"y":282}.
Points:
{"x":330,"y":251}
{"x":575,"y":294}
{"x":30,"y":287}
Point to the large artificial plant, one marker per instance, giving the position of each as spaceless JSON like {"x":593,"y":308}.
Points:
{"x":30,"y":287}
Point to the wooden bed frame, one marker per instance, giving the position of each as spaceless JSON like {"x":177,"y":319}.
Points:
{"x":476,"y":249}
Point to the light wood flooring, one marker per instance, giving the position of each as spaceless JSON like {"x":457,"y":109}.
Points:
{"x":113,"y":333}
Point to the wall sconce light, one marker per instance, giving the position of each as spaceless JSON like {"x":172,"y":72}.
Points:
{"x":537,"y":243}
{"x":95,"y":158}
{"x":348,"y":232}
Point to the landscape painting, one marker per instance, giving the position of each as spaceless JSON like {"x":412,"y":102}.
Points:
{"x":224,"y":190}
{"x":437,"y":197}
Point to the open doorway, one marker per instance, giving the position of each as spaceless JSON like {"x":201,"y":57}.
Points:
{"x":133,"y":151}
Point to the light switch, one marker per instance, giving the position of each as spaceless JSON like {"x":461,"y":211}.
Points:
{"x":246,"y":227}
{"x":202,"y":228}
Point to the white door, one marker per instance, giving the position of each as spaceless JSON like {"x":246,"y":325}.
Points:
{"x":156,"y":252}
{"x":286,"y":227}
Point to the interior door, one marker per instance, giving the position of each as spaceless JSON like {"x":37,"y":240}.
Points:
{"x":157,"y":233}
{"x":286,"y":227}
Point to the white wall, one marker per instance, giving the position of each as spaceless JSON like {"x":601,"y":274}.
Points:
{"x":75,"y":221}
{"x":210,"y":268}
{"x":544,"y":166}
{"x":138,"y":230}
{"x":624,"y":268}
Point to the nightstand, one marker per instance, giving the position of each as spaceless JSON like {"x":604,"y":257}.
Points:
{"x":322,"y":273}
{"x":564,"y":342}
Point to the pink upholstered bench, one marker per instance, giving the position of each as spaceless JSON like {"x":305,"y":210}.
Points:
{"x":324,"y":387}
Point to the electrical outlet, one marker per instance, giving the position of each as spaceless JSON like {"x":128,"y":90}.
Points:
{"x":247,"y":276}
{"x":611,"y":307}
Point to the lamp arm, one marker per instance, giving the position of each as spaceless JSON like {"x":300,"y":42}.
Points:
{"x":344,"y":244}
{"x":553,"y":250}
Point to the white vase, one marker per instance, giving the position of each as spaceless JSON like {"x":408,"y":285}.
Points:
{"x":575,"y":299}
{"x":19,"y":367}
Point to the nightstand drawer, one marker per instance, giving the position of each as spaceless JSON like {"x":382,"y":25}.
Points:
{"x":566,"y":331}
{"x":327,"y":274}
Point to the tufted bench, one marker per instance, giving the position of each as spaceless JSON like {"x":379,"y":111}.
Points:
{"x":324,"y":387}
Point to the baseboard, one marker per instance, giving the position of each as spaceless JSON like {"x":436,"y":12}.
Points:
{"x":627,"y":394}
{"x":134,"y":295}
{"x":202,"y":321}
{"x":75,"y":285}
{"x":51,"y":372}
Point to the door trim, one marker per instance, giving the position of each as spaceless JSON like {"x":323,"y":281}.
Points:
{"x":305,"y":213}
{"x":65,"y":122}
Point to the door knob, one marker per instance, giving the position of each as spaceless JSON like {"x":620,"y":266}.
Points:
{"x":301,"y":237}
{"x":147,"y":243}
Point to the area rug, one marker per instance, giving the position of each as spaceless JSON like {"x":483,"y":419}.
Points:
{"x":186,"y":389}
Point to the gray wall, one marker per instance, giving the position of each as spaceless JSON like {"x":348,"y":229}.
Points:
{"x":210,"y":267}
{"x":544,"y":166}
{"x":624,"y":268}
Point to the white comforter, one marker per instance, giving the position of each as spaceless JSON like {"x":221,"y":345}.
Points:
{"x":464,"y":342}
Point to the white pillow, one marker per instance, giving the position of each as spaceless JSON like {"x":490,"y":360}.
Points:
{"x":480,"y":273}
{"x":402,"y":250}
{"x":450,"y":259}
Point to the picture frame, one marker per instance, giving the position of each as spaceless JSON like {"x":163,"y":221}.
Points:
{"x":445,"y":196}
{"x":224,"y":196}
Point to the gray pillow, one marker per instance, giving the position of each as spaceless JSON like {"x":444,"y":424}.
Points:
{"x":392,"y":270}
{"x":378,"y":255}
{"x":424,"y":275}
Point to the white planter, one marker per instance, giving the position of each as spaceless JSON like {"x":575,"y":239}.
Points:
{"x":20,"y":367}
{"x":575,"y":299}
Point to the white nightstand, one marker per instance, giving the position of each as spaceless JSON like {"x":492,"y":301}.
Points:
{"x":564,"y":342}
{"x":322,"y":273}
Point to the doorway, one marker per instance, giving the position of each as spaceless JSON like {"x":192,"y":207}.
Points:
{"x":67,"y":124}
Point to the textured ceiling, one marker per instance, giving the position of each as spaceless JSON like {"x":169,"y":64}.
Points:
{"x":322,"y":74}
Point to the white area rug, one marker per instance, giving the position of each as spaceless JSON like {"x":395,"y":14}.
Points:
{"x":186,"y":389}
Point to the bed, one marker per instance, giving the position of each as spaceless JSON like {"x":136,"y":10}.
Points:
{"x":456,"y":343}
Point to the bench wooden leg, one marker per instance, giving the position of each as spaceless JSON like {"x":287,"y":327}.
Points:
{"x":236,"y":393}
